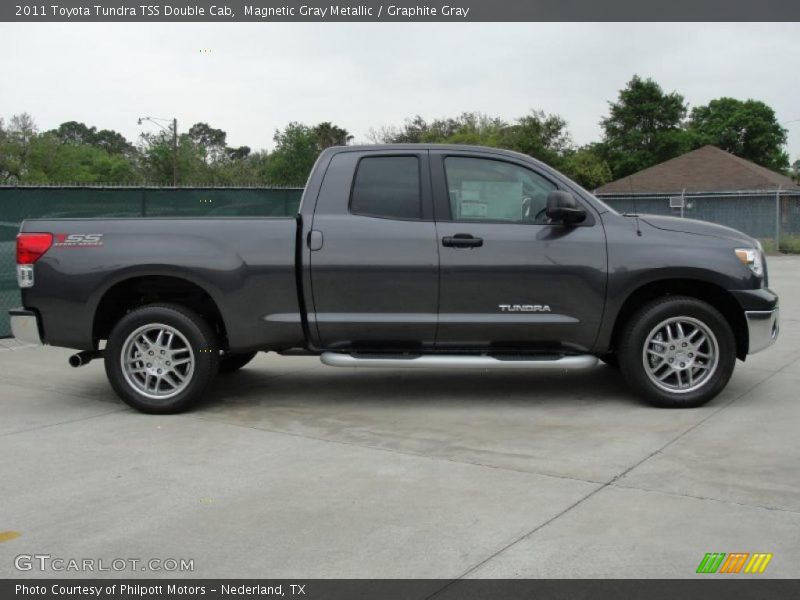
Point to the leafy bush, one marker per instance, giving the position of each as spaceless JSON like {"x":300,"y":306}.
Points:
{"x":789,"y":244}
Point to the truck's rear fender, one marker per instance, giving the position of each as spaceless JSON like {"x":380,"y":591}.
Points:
{"x":235,"y":271}
{"x":155,"y":285}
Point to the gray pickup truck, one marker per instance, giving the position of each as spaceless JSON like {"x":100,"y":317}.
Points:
{"x":413,"y":256}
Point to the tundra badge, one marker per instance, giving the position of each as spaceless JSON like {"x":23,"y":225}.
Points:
{"x":524,"y":307}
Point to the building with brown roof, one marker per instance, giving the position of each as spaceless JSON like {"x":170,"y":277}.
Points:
{"x":707,"y":169}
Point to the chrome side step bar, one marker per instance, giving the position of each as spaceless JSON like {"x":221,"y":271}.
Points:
{"x":442,"y":361}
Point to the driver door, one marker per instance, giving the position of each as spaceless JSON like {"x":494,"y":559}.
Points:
{"x":509,"y":280}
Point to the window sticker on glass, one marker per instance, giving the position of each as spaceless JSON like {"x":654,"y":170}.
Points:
{"x":492,"y":200}
{"x":493,"y":190}
{"x":472,"y":209}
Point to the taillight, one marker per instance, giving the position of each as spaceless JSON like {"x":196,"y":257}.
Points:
{"x":32,"y":246}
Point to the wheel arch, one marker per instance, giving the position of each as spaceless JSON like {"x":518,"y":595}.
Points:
{"x":141,"y":289}
{"x":713,"y":294}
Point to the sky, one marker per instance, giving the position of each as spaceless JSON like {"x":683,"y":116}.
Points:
{"x":252,"y":78}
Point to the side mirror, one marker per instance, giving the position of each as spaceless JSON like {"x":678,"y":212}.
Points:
{"x":564,"y":208}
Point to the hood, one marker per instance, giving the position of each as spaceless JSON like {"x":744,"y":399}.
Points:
{"x":696,"y":227}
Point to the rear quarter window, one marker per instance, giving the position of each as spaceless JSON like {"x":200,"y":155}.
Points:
{"x":387,"y":187}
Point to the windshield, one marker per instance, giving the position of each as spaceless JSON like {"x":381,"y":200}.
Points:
{"x":602,"y":204}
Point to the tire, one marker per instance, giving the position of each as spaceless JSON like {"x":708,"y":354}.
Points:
{"x":657,"y":365}
{"x":186,"y":338}
{"x":233,"y":362}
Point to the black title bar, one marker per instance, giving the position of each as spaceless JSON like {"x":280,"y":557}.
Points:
{"x":459,"y":11}
{"x":701,"y":588}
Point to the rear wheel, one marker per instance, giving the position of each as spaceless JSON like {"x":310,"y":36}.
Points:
{"x":233,"y":362}
{"x":160,"y":358}
{"x":677,"y":352}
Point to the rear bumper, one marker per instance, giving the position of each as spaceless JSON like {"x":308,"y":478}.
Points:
{"x":25,"y":326}
{"x":763,"y":327}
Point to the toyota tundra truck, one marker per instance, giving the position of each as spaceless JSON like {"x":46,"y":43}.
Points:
{"x":410,"y":256}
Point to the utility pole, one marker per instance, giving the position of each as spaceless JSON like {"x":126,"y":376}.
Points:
{"x":155,"y":120}
{"x":778,"y":219}
{"x":683,"y":200}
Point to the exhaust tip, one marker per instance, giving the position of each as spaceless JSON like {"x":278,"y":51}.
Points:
{"x":84,"y":358}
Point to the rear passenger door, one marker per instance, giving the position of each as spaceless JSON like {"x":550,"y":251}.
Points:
{"x":374,"y":256}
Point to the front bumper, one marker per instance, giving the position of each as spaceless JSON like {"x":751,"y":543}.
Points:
{"x":25,"y":326}
{"x":763,"y":327}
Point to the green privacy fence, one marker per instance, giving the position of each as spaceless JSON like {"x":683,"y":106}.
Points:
{"x":19,"y":203}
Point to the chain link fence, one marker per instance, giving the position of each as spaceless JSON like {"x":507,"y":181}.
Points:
{"x":36,"y":202}
{"x":772,"y":216}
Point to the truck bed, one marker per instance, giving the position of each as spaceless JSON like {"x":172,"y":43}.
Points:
{"x":236,"y":259}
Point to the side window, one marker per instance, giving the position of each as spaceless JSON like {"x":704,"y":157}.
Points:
{"x":482,"y":189}
{"x":387,"y":186}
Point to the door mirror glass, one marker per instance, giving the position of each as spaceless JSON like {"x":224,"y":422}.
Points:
{"x":562,"y":207}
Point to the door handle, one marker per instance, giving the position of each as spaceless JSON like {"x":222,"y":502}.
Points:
{"x":315,"y":240}
{"x":462,"y":240}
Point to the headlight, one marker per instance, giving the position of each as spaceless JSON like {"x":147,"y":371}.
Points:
{"x":753,"y":259}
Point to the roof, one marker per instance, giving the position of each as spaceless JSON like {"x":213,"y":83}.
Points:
{"x":454,"y":148}
{"x":432,"y":146}
{"x":707,"y":169}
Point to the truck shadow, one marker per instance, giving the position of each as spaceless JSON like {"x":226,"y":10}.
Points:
{"x":258,"y":385}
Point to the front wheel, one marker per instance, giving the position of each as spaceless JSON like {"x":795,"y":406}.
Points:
{"x":677,"y":352}
{"x":161,"y":358}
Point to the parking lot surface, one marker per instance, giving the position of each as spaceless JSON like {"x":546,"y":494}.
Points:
{"x":292,"y":469}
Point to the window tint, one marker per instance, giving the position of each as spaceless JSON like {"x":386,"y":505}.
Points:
{"x":491,"y":190}
{"x":387,"y":186}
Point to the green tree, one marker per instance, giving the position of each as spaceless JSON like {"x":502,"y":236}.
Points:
{"x":297,"y":148}
{"x":112,"y":142}
{"x":71,"y":153}
{"x":328,"y":135}
{"x":210,"y":142}
{"x":239,"y":153}
{"x":156,"y":155}
{"x":537,"y":134}
{"x":17,"y":138}
{"x":5,"y":157}
{"x":587,"y":167}
{"x":413,"y":132}
{"x":242,"y":167}
{"x":748,"y":129}
{"x":644,"y":127}
{"x":73,"y":132}
{"x":467,"y":128}
{"x":540,"y":135}
{"x":51,"y":161}
{"x":255,"y":166}
{"x":219,"y":163}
